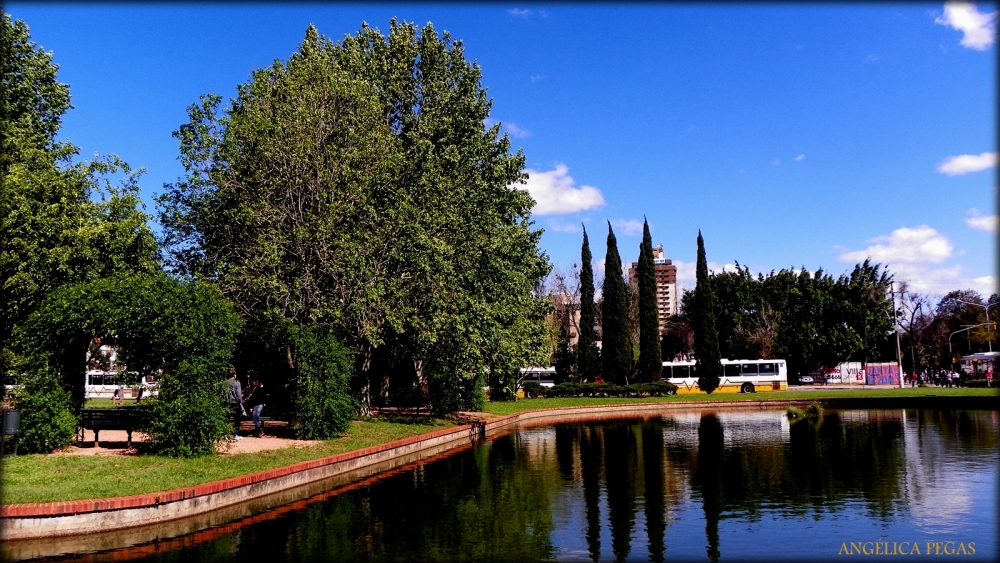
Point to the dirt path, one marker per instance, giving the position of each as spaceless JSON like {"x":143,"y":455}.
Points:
{"x":114,"y":442}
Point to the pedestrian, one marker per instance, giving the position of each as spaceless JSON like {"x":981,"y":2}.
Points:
{"x":254,"y":400}
{"x":236,"y":402}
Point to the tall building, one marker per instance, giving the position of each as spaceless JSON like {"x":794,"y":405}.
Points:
{"x":666,"y":285}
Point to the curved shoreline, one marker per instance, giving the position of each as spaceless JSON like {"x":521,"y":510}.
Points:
{"x":76,"y":518}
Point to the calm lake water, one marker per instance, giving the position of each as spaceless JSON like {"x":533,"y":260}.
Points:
{"x":724,"y":486}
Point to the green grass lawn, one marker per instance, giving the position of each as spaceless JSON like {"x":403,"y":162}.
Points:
{"x":106,"y":403}
{"x":45,"y":478}
{"x":811,"y":393}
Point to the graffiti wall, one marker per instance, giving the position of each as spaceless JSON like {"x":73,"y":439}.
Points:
{"x":882,"y":374}
{"x":850,"y":373}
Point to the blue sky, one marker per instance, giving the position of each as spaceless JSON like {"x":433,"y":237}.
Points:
{"x":791,"y":135}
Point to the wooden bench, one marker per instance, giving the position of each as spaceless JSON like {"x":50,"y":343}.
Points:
{"x":122,"y":418}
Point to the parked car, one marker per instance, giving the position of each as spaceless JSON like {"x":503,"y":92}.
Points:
{"x":812,"y":377}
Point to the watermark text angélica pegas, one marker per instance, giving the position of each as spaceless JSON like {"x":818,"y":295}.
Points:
{"x":907,"y":548}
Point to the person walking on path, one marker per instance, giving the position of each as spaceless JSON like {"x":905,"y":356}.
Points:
{"x":254,"y":400}
{"x":236,"y":402}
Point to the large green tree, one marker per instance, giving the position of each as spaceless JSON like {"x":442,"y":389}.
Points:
{"x":706,"y":338}
{"x":588,"y":356}
{"x":61,"y":222}
{"x":355,"y":187}
{"x":616,"y":341}
{"x":650,"y":364}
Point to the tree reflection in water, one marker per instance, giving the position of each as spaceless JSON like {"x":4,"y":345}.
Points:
{"x":707,"y":479}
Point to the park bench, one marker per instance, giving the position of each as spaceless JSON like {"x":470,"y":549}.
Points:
{"x":122,"y":418}
{"x":407,"y":404}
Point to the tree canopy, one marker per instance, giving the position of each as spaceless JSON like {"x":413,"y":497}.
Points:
{"x":811,"y":319}
{"x":356,"y":188}
{"x":61,"y":222}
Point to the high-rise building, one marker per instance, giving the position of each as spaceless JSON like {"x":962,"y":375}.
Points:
{"x":666,"y":285}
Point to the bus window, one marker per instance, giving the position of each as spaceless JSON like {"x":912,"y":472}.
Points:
{"x":768,"y":369}
{"x":749,"y":369}
{"x":97,"y":378}
{"x":680,"y":372}
{"x":732,"y":370}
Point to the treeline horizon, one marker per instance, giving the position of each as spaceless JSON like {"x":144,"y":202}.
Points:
{"x":811,"y":319}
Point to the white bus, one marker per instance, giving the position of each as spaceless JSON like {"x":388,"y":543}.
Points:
{"x":738,"y":376}
{"x":103,"y":384}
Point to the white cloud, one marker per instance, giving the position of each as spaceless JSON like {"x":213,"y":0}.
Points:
{"x":537,"y":77}
{"x":564,"y":227}
{"x":517,"y":132}
{"x":599,"y":265}
{"x":939,"y":281}
{"x":687,"y":272}
{"x":777,"y":162}
{"x":978,"y":27}
{"x":555,"y":192}
{"x":519,"y":13}
{"x":909,"y":254}
{"x":965,"y":163}
{"x":871,"y":58}
{"x":800,"y":158}
{"x":630,"y":227}
{"x":987,"y":285}
{"x":988,"y":223}
{"x":920,"y":244}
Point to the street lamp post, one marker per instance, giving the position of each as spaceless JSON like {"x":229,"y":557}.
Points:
{"x":987,"y":308}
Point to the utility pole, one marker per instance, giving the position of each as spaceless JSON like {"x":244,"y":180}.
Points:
{"x":895,"y":328}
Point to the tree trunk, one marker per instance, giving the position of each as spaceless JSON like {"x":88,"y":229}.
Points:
{"x":364,"y":396}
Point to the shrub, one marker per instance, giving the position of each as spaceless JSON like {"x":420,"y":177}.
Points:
{"x":47,"y":422}
{"x":652,"y":389}
{"x":324,"y":405}
{"x":532,"y":389}
{"x":182,"y":423}
{"x":976,"y":383}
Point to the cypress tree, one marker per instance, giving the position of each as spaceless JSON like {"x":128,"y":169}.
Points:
{"x":616,"y":351}
{"x":588,"y":358}
{"x":706,"y":339}
{"x":564,"y":358}
{"x":650,"y":364}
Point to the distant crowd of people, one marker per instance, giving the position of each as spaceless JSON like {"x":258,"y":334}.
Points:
{"x":241,"y":400}
{"x":941,"y":378}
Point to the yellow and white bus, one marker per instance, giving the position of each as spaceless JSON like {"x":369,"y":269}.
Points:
{"x":738,"y":376}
